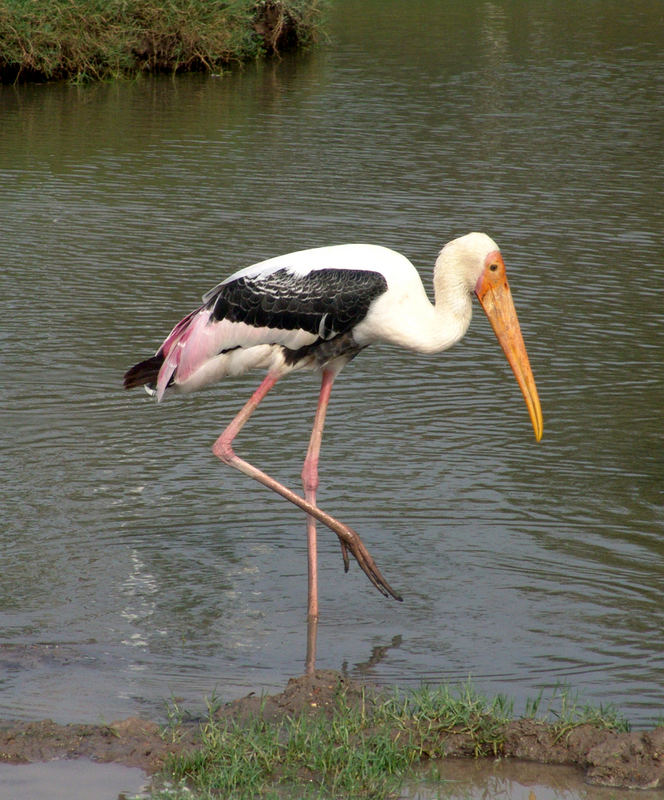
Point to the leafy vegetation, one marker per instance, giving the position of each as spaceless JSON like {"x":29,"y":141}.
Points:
{"x":84,"y":40}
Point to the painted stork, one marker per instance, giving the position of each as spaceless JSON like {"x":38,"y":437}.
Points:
{"x":316,"y":309}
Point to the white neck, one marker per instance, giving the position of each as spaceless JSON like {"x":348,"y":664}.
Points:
{"x":404,"y":316}
{"x":428,"y":328}
{"x":437,"y":327}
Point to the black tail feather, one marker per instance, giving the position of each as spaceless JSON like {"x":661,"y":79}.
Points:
{"x":144,"y":372}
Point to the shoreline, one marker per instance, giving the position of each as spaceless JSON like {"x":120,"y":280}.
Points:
{"x":78,"y":41}
{"x":606,"y":756}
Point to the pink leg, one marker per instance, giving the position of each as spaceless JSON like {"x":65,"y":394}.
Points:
{"x":223,"y":449}
{"x":223,"y":444}
{"x":310,"y":483}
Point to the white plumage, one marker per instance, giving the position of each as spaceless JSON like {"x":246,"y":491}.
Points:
{"x":316,"y":309}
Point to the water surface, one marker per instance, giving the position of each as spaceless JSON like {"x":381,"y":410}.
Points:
{"x":136,"y":567}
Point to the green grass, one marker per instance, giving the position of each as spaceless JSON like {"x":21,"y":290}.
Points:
{"x":350,"y":755}
{"x":427,"y":715}
{"x":82,"y":40}
{"x":572,"y":713}
{"x":360,"y":751}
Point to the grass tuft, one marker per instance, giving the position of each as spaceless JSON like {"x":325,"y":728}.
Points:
{"x":572,"y":714}
{"x":342,"y":756}
{"x":429,"y":713}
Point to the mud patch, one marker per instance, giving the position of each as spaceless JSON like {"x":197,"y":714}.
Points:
{"x":619,"y":760}
{"x":133,"y":742}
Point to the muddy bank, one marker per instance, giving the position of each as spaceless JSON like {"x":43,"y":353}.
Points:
{"x":632,"y":760}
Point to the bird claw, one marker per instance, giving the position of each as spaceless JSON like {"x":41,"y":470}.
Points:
{"x":366,"y":563}
{"x":344,"y":555}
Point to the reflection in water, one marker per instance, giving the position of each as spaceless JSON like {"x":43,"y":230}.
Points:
{"x":521,"y":565}
{"x":378,"y":654}
{"x":459,"y":779}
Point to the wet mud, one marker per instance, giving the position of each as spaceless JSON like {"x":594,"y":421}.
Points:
{"x":632,"y":760}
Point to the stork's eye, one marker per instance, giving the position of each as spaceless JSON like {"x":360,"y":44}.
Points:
{"x":493,"y":267}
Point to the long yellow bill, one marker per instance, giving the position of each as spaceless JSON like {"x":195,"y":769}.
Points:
{"x":494,"y":294}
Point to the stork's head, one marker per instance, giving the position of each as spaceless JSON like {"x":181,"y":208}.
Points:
{"x":480,"y":265}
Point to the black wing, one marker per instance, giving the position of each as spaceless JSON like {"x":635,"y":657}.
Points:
{"x":324,"y":302}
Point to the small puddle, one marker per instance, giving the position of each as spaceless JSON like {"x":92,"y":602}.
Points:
{"x":462,"y":779}
{"x":69,"y":779}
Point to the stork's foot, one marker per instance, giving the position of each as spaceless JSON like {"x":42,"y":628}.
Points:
{"x":351,"y":541}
